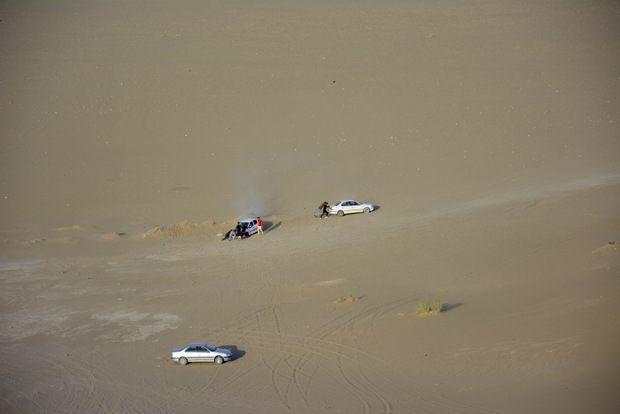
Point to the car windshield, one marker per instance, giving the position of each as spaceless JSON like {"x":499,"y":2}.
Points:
{"x":246,"y":224}
{"x":210,"y":348}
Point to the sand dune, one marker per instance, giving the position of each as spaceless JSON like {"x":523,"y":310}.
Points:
{"x":134,"y":134}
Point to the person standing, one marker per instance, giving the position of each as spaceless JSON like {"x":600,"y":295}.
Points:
{"x":260,"y":226}
{"x":238,"y":231}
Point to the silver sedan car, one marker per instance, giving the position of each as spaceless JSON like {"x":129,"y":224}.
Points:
{"x":350,"y":206}
{"x":201,"y":352}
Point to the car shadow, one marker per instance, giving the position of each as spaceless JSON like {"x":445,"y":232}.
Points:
{"x":236,"y":352}
{"x":269,"y":226}
{"x":375,"y":207}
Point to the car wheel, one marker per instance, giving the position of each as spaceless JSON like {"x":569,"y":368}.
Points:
{"x":219,"y":360}
{"x":183,"y":361}
{"x":366,"y":210}
{"x":340,"y":213}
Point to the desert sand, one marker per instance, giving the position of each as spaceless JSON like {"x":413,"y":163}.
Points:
{"x":133,"y":133}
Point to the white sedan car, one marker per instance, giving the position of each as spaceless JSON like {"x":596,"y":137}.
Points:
{"x":200,"y":352}
{"x":350,"y":206}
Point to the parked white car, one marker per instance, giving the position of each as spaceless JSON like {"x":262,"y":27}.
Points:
{"x":200,"y":352}
{"x":249,"y":227}
{"x":350,"y":206}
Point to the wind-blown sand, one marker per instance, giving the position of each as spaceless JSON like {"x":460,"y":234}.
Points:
{"x":486,"y":133}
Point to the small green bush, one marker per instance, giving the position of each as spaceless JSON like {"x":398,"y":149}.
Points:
{"x":351,"y":298}
{"x":426,"y":307}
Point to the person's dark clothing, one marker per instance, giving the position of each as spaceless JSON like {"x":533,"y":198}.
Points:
{"x":324,"y":210}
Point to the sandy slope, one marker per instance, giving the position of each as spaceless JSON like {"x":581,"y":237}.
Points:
{"x":485,"y":133}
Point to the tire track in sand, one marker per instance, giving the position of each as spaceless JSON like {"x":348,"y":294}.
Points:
{"x":319,"y":356}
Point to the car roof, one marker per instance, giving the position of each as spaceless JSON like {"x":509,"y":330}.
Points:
{"x":247,"y":220}
{"x":195,"y":344}
{"x":342,"y":201}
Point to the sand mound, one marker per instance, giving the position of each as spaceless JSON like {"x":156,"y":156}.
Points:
{"x":71,"y":228}
{"x":187,"y":230}
{"x":184,"y":230}
{"x":112,"y":236}
{"x":606,"y":249}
